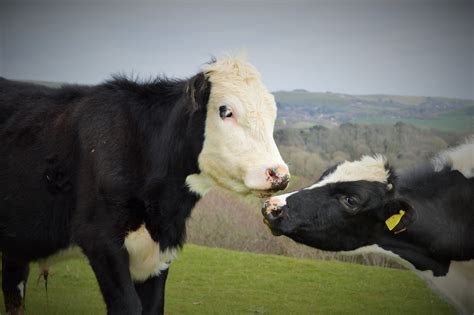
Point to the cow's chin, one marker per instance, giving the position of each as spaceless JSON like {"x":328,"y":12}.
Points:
{"x":202,"y":183}
{"x":275,"y":231}
{"x":264,"y":193}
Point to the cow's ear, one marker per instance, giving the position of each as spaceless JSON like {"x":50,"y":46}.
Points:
{"x":198,"y":89}
{"x":398,"y":215}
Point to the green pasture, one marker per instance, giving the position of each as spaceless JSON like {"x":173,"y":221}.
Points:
{"x":215,"y":281}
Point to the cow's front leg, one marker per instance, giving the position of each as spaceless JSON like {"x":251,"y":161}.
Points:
{"x":152,"y":293}
{"x":14,"y":277}
{"x":109,"y":260}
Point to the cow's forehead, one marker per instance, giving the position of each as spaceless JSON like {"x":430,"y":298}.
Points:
{"x":235,"y":78}
{"x":231,"y":67}
{"x":368,"y":168}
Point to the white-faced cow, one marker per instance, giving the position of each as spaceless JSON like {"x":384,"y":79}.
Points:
{"x":116,"y":169}
{"x":424,"y":217}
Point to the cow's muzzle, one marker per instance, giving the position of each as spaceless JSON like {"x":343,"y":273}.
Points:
{"x":273,"y":212}
{"x":279,"y":177}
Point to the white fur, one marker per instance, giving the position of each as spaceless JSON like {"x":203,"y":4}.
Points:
{"x":237,"y":152}
{"x":457,"y":286}
{"x":280,"y":200}
{"x":146,"y":258}
{"x":368,"y":168}
{"x":21,"y":287}
{"x":460,"y":158}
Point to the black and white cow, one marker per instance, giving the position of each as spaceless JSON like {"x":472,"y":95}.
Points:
{"x":116,"y":169}
{"x":424,"y":217}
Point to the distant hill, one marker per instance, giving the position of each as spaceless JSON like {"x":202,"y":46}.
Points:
{"x":310,"y":150}
{"x":300,"y":108}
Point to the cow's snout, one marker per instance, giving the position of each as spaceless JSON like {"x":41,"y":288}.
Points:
{"x":279,"y":177}
{"x":275,"y":213}
{"x":265,"y":181}
{"x":272,"y":210}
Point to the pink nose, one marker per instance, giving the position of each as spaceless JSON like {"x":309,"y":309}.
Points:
{"x":279,"y":177}
{"x":272,"y":208}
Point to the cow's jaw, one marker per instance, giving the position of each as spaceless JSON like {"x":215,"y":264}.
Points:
{"x":202,"y":183}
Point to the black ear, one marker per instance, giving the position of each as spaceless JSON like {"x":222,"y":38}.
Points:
{"x":397,"y":215}
{"x":198,"y":89}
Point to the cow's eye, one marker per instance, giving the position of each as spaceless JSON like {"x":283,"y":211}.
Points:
{"x":350,"y":202}
{"x":225,"y":111}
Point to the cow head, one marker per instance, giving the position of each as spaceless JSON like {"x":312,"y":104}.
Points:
{"x":344,"y":210}
{"x":239,"y":152}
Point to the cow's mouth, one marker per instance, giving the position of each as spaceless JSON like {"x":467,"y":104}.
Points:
{"x":265,"y":193}
{"x":275,"y":231}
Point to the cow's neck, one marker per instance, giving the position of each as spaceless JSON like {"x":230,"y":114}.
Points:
{"x":416,"y":253}
{"x":441,"y":201}
{"x":175,"y":136}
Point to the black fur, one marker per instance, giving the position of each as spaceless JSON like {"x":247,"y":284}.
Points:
{"x":85,"y":165}
{"x":438,"y":221}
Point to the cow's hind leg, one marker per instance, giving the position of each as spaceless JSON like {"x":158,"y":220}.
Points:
{"x":14,"y":277}
{"x":152,"y":294}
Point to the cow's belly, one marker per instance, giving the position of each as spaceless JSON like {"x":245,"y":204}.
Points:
{"x":145,"y":257}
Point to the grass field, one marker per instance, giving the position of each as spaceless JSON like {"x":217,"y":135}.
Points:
{"x":215,"y":281}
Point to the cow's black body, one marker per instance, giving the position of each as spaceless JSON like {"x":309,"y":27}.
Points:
{"x":84,"y":165}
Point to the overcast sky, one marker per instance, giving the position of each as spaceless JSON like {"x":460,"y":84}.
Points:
{"x":408,"y":47}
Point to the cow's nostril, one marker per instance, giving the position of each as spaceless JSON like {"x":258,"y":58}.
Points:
{"x":276,"y":212}
{"x":272,"y":172}
{"x":278,"y":177}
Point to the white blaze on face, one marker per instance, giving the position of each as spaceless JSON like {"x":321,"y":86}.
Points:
{"x":238,"y":150}
{"x":145,"y":257}
{"x":368,"y":168}
{"x":460,"y":158}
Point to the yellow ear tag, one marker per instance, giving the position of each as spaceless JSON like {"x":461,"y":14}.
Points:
{"x":393,"y":221}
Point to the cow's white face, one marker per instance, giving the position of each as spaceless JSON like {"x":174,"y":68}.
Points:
{"x":239,"y":152}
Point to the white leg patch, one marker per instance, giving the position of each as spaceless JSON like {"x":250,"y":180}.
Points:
{"x":21,"y":287}
{"x":146,"y":258}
